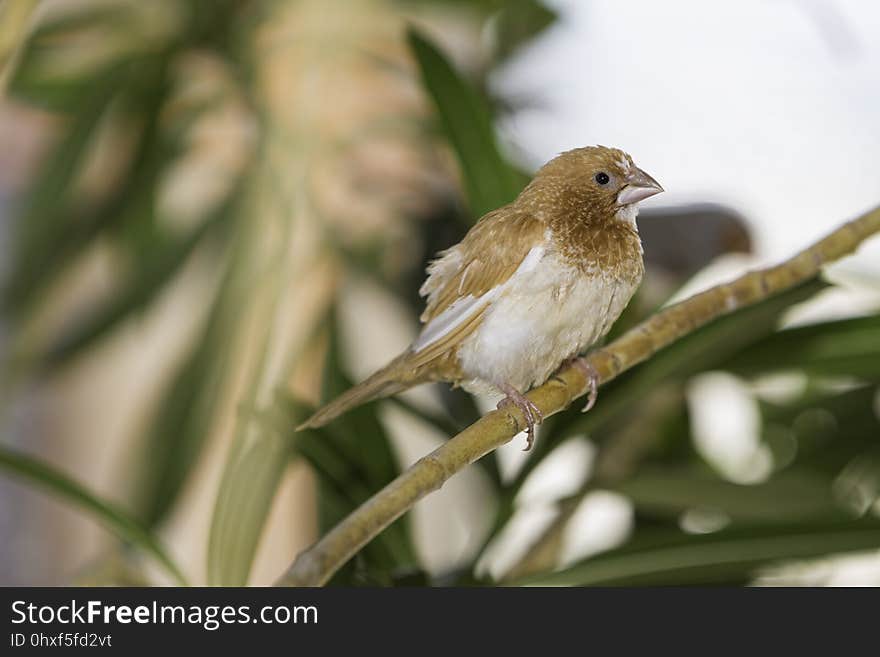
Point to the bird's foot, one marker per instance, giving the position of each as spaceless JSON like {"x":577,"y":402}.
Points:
{"x":592,"y":380}
{"x":530,"y":411}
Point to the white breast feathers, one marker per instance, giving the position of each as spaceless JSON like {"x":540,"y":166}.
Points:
{"x":546,"y":312}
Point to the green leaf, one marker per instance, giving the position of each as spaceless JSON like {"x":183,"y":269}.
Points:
{"x":54,"y":230}
{"x":178,"y":431}
{"x":790,"y":495}
{"x":39,"y":80}
{"x":353,"y":458}
{"x":54,"y":27}
{"x":113,"y":518}
{"x":518,"y":22}
{"x":45,"y":204}
{"x":846,"y":347}
{"x":490,"y":182}
{"x":165,"y":259}
{"x":262,"y":448}
{"x":15,"y":18}
{"x":260,"y":453}
{"x":734,"y":554}
{"x":829,"y":429}
{"x":359,"y":435}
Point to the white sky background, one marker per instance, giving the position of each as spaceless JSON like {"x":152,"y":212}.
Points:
{"x":769,"y":106}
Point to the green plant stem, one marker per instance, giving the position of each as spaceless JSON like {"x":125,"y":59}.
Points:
{"x":316,"y":565}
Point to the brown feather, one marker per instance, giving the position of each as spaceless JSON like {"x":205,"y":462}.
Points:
{"x":487,"y":256}
{"x":384,"y":383}
{"x":563,"y":202}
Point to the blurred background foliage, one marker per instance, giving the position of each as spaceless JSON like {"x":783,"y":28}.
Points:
{"x":222,"y":215}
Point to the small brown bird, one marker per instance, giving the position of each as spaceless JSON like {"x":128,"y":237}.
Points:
{"x":532,"y":285}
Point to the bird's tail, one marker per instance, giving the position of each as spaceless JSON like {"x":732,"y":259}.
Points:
{"x":384,"y":383}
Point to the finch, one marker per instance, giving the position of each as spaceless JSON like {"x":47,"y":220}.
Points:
{"x":531,"y":286}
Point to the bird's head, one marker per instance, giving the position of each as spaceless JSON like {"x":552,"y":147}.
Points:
{"x":592,"y":183}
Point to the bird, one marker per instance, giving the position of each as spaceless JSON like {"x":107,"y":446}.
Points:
{"x":529,"y":288}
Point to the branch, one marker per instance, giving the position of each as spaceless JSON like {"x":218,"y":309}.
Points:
{"x":317,"y":564}
{"x":615,"y":461}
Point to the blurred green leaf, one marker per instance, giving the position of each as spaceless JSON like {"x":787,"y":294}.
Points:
{"x":174,"y":440}
{"x":518,"y":22}
{"x":352,"y":458}
{"x":788,"y":496}
{"x":46,"y":201}
{"x":720,"y":557}
{"x":260,"y":454}
{"x":38,"y":79}
{"x":14,"y":19}
{"x":164,"y":260}
{"x":490,"y":182}
{"x":846,"y":347}
{"x":261,"y":450}
{"x":360,"y":436}
{"x":113,"y":518}
{"x":54,"y":230}
{"x":827,"y":429}
{"x":53,"y":27}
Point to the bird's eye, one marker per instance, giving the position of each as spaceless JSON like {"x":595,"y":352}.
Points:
{"x":602,"y":178}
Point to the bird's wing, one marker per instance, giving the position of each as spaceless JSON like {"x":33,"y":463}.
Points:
{"x":463,"y":281}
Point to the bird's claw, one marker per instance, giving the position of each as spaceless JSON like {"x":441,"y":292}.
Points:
{"x":592,"y":380}
{"x":529,"y":409}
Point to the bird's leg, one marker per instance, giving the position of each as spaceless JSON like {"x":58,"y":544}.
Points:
{"x":530,"y":411}
{"x":592,"y":380}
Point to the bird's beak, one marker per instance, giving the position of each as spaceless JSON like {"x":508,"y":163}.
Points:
{"x":639,"y":186}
